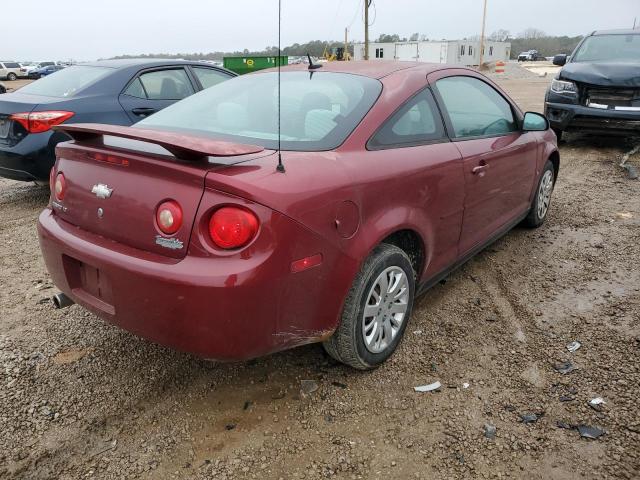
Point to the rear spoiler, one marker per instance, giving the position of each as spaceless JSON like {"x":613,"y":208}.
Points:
{"x":183,"y":146}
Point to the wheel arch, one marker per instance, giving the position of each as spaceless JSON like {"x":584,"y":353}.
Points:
{"x":554,"y":158}
{"x":411,"y":242}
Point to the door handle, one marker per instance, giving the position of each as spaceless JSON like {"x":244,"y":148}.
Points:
{"x":480,"y":169}
{"x":143,"y":111}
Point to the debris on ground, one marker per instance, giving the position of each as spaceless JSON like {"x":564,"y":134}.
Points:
{"x":230,"y":426}
{"x":573,"y":346}
{"x":596,"y":403}
{"x":110,"y":446}
{"x":465,"y":385}
{"x":587,"y":431}
{"x":307,"y":387}
{"x":529,"y":417}
{"x":339,"y":384}
{"x":489,"y":431}
{"x":428,"y":388}
{"x":565,"y":425}
{"x":564,"y":367}
{"x":71,"y":356}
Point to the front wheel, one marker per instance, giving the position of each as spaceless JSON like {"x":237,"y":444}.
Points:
{"x":542,"y":200}
{"x":376,"y":310}
{"x":12,"y":76}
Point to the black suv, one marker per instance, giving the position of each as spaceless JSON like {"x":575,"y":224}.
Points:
{"x":598,"y":89}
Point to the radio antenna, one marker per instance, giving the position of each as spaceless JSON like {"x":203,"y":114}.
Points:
{"x":280,"y":167}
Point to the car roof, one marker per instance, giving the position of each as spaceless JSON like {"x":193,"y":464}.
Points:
{"x":373,"y":69}
{"x":622,"y":31}
{"x":145,"y":62}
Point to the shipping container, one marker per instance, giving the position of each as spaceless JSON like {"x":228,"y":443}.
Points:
{"x":242,"y":65}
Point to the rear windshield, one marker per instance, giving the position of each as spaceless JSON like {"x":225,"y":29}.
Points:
{"x":319,"y":111}
{"x":603,"y":48}
{"x":66,"y":82}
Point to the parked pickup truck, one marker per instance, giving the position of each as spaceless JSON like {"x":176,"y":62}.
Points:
{"x":530,"y":56}
{"x":598,"y":89}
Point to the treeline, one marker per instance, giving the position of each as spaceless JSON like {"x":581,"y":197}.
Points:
{"x":530,"y":39}
{"x":315,"y":48}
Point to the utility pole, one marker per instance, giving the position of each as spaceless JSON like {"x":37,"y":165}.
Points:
{"x":484,"y":18}
{"x":346,"y":46}
{"x":366,"y":29}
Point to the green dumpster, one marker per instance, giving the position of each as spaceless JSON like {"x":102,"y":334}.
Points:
{"x":242,"y":65}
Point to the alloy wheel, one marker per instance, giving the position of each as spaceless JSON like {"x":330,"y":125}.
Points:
{"x":385,"y":310}
{"x":544,"y":193}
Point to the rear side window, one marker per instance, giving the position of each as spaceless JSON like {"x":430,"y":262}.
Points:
{"x":209,"y":77}
{"x":166,"y":84}
{"x":417,"y":122}
{"x":12,"y":65}
{"x":135,"y":89}
{"x":474,"y":108}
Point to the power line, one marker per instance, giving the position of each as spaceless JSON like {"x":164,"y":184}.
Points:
{"x":355,"y":15}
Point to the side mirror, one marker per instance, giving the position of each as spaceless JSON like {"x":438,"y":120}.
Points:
{"x":535,"y":122}
{"x":560,"y":59}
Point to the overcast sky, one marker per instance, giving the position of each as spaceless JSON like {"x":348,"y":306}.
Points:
{"x":90,"y":29}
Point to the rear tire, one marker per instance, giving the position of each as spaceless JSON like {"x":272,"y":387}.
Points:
{"x":12,"y":76}
{"x":542,"y":199}
{"x":376,"y":310}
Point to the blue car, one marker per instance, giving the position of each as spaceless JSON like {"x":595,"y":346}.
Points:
{"x":44,"y":71}
{"x":116,"y":92}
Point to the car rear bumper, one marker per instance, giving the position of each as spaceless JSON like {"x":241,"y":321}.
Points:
{"x":30,"y":159}
{"x":568,"y":117}
{"x":212,"y":307}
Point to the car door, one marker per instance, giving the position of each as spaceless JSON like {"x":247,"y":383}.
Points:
{"x":499,"y":160}
{"x":414,"y":139}
{"x":152,"y":90}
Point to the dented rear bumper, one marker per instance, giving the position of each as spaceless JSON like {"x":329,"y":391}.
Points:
{"x":231,"y":308}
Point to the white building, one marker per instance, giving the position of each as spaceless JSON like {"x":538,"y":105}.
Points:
{"x":456,"y":52}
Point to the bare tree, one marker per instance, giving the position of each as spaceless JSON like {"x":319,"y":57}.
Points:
{"x":532,"y":33}
{"x":499,"y":35}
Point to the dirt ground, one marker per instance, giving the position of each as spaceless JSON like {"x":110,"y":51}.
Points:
{"x":82,"y":399}
{"x":16,"y":84}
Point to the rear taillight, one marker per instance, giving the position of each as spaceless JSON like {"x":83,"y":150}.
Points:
{"x":52,"y":179}
{"x":38,"y":122}
{"x":232,"y":227}
{"x":59,"y":187}
{"x":169,"y":217}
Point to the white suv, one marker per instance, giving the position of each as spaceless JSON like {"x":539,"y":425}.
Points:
{"x":10,"y":70}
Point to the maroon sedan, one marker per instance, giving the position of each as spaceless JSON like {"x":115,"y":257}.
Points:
{"x":185,"y":230}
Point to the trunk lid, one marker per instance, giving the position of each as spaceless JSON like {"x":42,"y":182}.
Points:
{"x":115,"y":181}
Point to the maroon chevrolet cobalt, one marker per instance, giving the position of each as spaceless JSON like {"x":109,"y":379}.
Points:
{"x":213,"y":228}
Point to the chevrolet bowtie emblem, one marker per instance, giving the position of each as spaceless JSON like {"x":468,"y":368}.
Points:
{"x":101,"y":190}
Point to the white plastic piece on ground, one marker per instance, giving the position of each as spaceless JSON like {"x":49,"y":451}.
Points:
{"x":428,"y":388}
{"x":597,"y":401}
{"x":465,"y":385}
{"x":573,"y":346}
